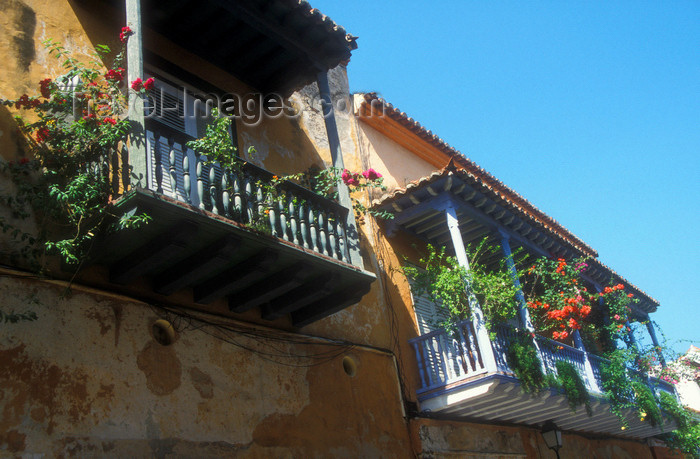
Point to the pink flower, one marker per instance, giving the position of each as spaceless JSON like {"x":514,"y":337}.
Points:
{"x":349,"y":178}
{"x":148,"y":84}
{"x":371,"y":174}
{"x":616,"y":317}
{"x":137,"y":84}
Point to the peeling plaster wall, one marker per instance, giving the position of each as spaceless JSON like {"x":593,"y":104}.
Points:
{"x":442,"y":439}
{"x":88,"y":378}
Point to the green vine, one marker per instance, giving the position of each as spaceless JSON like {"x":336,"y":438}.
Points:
{"x":451,"y":286}
{"x":525,"y":363}
{"x":71,"y":132}
{"x":573,"y":386}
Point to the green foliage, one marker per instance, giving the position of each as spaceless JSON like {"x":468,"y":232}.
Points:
{"x":525,"y":363}
{"x":686,"y":437}
{"x":453,"y":288}
{"x":216,"y":143}
{"x":646,"y":403}
{"x":616,"y":383}
{"x":71,"y":131}
{"x":217,"y":146}
{"x":573,"y":386}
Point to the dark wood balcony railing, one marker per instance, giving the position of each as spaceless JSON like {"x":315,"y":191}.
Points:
{"x":294,"y":214}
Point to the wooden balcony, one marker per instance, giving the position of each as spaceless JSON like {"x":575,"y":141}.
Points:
{"x":456,"y":384}
{"x":217,"y":234}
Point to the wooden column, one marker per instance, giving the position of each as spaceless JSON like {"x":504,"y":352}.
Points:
{"x":482,"y":334}
{"x":352,"y":236}
{"x":655,"y":340}
{"x":523,"y":313}
{"x":138,"y":161}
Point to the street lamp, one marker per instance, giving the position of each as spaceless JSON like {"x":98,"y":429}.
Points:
{"x":552,"y":436}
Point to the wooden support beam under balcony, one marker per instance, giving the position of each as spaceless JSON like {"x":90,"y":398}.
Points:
{"x":210,"y":257}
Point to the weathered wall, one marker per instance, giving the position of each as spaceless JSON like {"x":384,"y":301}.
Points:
{"x":88,"y":378}
{"x":441,"y":439}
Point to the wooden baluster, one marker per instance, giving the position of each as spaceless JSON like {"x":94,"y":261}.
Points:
{"x":304,"y":225}
{"x":172,"y":157}
{"x":293,"y":221}
{"x":186,"y":182}
{"x":212,"y":189}
{"x":115,"y":171}
{"x":312,"y":229}
{"x":159,"y":165}
{"x":342,"y":246}
{"x":125,"y":173}
{"x":249,"y":198}
{"x":260,"y":199}
{"x":200,"y":182}
{"x":421,"y":363}
{"x":226,"y":193}
{"x":331,"y":236}
{"x":282,"y":210}
{"x":237,"y":213}
{"x":271,"y":204}
{"x":323,"y":242}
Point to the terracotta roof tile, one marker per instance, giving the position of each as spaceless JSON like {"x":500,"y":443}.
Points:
{"x":466,"y":166}
{"x":497,"y":186}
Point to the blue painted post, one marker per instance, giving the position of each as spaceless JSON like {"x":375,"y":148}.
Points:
{"x":654,"y":339}
{"x":482,"y":334}
{"x":523,"y":313}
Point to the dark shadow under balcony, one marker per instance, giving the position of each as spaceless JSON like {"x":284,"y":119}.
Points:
{"x":456,"y":384}
{"x":224,"y":234}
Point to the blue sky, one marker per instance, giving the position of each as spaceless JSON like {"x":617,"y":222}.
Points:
{"x":590,"y":110}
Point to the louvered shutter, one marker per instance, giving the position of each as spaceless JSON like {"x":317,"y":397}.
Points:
{"x":173,"y":108}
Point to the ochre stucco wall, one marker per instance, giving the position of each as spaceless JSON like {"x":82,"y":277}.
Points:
{"x":88,"y":378}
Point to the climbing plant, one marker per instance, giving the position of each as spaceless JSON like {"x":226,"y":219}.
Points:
{"x":70,"y":132}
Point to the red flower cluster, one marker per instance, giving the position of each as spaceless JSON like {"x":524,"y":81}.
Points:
{"x":26,"y":102}
{"x":561,"y":266}
{"x":560,"y":335}
{"x":350,"y":178}
{"x":371,"y":174}
{"x":108,"y":120}
{"x":44,"y":88}
{"x":607,"y":290}
{"x":115,"y":75}
{"x":138,"y":85}
{"x":42,"y":134}
{"x":125,"y":33}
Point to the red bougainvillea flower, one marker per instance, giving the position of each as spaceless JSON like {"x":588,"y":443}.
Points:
{"x":44,"y":88}
{"x":371,"y":174}
{"x":111,"y":121}
{"x":42,"y":135}
{"x":137,"y":84}
{"x":350,"y":178}
{"x":115,"y":75}
{"x":124,"y":34}
{"x":148,"y":84}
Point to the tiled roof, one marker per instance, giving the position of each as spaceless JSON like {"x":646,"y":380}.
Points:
{"x":464,"y":163}
{"x":325,"y":21}
{"x":463,"y":166}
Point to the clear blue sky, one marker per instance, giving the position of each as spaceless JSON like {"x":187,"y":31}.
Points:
{"x":590,"y":110}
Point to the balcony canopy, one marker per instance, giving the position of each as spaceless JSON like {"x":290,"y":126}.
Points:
{"x":274,"y":46}
{"x":484,"y":210}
